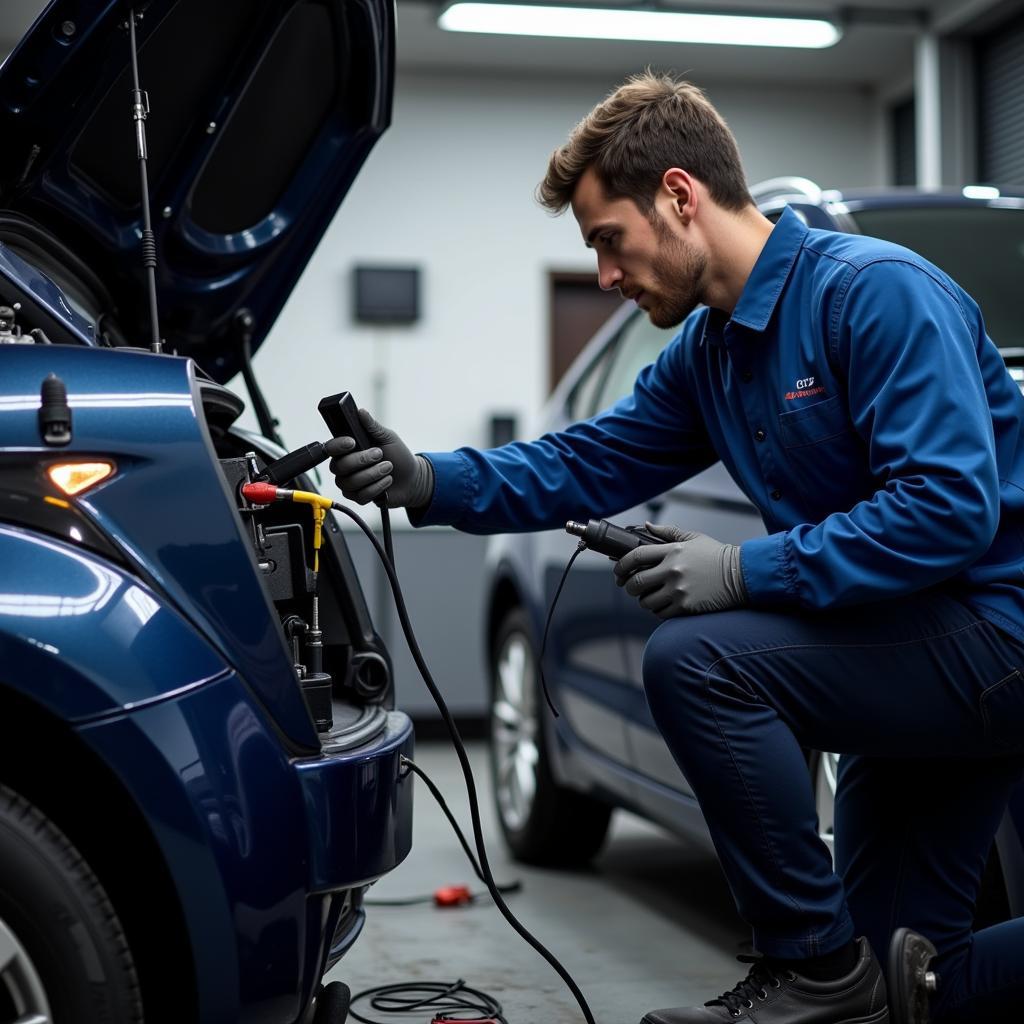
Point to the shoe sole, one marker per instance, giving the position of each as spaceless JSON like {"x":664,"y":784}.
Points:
{"x":910,"y":955}
{"x":881,"y":1017}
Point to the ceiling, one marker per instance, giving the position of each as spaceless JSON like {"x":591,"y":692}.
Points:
{"x":867,"y":55}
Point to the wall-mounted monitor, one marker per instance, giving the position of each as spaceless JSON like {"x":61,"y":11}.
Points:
{"x":386,"y":295}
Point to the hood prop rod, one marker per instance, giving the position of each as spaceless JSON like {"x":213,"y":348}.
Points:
{"x":140,"y":111}
{"x":243,"y":324}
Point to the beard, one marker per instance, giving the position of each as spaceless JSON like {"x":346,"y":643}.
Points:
{"x":678,"y":272}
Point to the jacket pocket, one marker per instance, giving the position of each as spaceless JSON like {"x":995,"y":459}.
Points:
{"x":814,"y":423}
{"x":1002,"y":712}
{"x":824,"y":458}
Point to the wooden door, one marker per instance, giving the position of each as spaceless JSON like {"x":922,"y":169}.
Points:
{"x":578,"y":309}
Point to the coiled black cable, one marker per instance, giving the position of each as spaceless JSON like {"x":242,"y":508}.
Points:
{"x":444,"y":999}
{"x":467,"y":772}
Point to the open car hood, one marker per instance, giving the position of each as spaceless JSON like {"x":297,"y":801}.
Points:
{"x":262,"y":113}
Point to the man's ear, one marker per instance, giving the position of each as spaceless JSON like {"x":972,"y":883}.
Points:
{"x":681,"y":189}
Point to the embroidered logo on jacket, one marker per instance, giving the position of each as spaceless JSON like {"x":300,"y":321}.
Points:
{"x":804,"y":389}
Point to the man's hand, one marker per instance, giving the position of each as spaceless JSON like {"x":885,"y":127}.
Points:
{"x":689,"y":575}
{"x":362,"y":476}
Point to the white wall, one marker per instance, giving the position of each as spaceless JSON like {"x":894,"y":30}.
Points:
{"x":450,"y":188}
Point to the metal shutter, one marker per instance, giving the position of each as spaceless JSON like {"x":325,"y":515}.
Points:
{"x":1000,"y":64}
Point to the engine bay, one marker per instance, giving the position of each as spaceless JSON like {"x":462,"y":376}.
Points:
{"x":339,"y":660}
{"x":340,"y":663}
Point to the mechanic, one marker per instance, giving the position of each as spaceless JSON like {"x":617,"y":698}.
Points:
{"x":849,"y":387}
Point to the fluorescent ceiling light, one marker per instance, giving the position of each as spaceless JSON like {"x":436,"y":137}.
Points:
{"x":980,"y":192}
{"x":650,"y":26}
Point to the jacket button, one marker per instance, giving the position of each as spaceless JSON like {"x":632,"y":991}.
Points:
{"x":760,"y":435}
{"x":776,"y":495}
{"x":747,"y":376}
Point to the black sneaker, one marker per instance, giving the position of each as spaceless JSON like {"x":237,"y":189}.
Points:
{"x":910,"y":979}
{"x":773,"y":995}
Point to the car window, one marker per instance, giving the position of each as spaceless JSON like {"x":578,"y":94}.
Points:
{"x":980,"y":247}
{"x":638,"y":344}
{"x":581,"y":400}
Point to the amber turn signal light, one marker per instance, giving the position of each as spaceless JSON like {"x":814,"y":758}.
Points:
{"x":73,"y":478}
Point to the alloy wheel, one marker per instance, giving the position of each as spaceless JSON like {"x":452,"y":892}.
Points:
{"x":514,"y":731}
{"x":825,"y":775}
{"x":22,"y":996}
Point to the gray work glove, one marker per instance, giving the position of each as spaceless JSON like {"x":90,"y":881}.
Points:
{"x":362,"y":476}
{"x":690,"y":575}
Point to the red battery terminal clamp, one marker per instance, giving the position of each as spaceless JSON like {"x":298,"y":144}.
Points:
{"x":452,"y":896}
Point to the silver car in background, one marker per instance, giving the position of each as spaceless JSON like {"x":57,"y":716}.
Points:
{"x":557,"y":782}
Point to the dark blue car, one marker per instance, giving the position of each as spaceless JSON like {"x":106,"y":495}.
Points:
{"x":556,"y":782}
{"x":181,"y":837}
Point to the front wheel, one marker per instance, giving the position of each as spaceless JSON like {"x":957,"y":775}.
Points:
{"x":543,"y":822}
{"x":64,"y":958}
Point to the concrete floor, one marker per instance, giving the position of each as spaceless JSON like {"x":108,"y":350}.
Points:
{"x":651,"y":924}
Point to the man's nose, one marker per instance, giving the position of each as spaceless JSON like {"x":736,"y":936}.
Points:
{"x":608,"y":274}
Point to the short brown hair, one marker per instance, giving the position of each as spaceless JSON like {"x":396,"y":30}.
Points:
{"x":647,"y":125}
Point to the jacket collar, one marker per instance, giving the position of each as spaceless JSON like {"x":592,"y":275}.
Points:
{"x":767,"y":279}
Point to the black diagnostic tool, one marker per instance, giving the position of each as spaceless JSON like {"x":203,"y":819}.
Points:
{"x":341,"y":414}
{"x":609,"y":539}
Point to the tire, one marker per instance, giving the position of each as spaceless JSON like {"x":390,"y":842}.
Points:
{"x":543,"y":823}
{"x":64,"y":958}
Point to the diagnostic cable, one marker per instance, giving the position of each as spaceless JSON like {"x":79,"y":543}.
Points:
{"x":605,"y":538}
{"x":450,"y":895}
{"x":302,"y":460}
{"x":264,"y":493}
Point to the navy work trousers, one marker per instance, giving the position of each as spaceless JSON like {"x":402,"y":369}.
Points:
{"x":924,"y":700}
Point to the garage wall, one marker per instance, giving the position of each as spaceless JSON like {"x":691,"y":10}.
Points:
{"x":449,"y":188}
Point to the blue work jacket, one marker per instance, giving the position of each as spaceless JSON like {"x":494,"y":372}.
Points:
{"x":855,"y":398}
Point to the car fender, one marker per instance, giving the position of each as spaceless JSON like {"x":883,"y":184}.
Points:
{"x":508,"y":564}
{"x":84,"y":638}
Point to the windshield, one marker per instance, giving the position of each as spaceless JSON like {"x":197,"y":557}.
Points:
{"x":980,"y":247}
